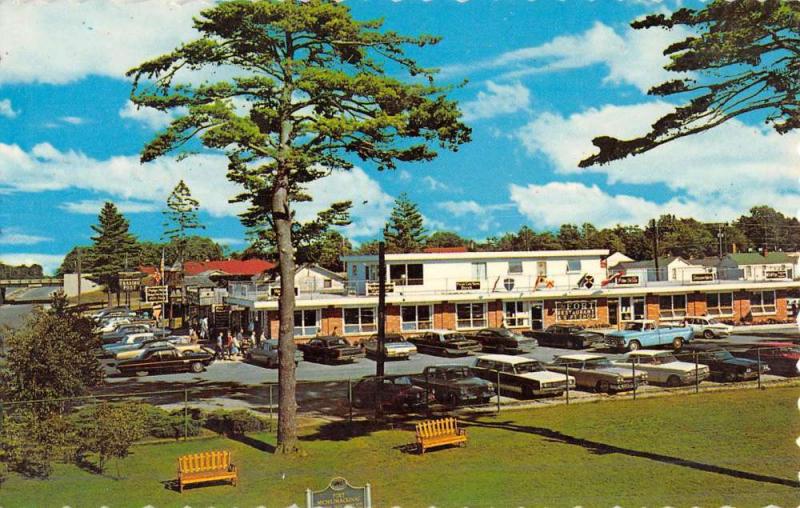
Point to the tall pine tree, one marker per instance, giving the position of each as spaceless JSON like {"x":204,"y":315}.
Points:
{"x":114,"y":247}
{"x":181,"y":217}
{"x":404,"y":232}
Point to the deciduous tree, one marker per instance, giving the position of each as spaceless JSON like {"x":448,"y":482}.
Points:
{"x":312,"y":93}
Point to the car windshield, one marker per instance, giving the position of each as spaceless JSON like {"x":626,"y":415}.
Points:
{"x":457,"y":373}
{"x":713,"y":321}
{"x":402,"y":380}
{"x":665,"y":358}
{"x":504,"y":333}
{"x":597,"y":363}
{"x":633,"y":326}
{"x":525,"y":367}
{"x":337,"y":342}
{"x":454,"y":336}
{"x":722,"y":355}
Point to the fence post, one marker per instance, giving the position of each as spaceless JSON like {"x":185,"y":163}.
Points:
{"x":633,"y":370}
{"x":758,"y":352}
{"x":350,"y":398}
{"x":185,"y":414}
{"x":498,"y":391}
{"x":696,"y":374}
{"x":270,"y":407}
{"x":567,"y":378}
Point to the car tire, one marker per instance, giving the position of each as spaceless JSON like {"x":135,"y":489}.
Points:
{"x":708,"y":334}
{"x":501,"y":349}
{"x":673,"y":381}
{"x":677,"y":343}
{"x":527,"y":392}
{"x":196,"y":367}
{"x":635,"y":345}
{"x":602,"y":387}
{"x":729,"y":377}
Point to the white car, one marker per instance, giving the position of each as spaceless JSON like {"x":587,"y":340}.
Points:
{"x":707,"y":327}
{"x":662,"y":367}
{"x":524,"y":375}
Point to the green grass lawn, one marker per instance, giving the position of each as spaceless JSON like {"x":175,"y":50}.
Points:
{"x":732,"y":448}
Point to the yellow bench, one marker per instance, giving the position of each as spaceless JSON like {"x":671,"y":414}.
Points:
{"x":206,"y":467}
{"x":445,"y":431}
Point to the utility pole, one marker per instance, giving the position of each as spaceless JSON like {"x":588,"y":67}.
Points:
{"x":78,"y":263}
{"x":720,"y":236}
{"x":655,"y":247}
{"x":379,"y":372}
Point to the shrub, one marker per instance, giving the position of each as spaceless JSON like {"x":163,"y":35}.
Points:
{"x":111,"y":431}
{"x":235,"y":422}
{"x":158,"y":423}
{"x":30,"y":442}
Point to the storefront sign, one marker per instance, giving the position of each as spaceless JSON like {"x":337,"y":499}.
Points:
{"x":628,"y":280}
{"x":702,"y":277}
{"x":176,"y":295}
{"x":374,"y":288}
{"x":340,"y":494}
{"x":468,"y":285}
{"x":156,"y":294}
{"x":776,"y":274}
{"x":578,"y":310}
{"x":129,"y":281}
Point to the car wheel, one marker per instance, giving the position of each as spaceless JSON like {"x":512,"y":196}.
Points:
{"x":708,"y":334}
{"x":527,"y":392}
{"x":141,"y":373}
{"x":673,"y":381}
{"x":677,"y":342}
{"x":602,"y":387}
{"x":634,"y":345}
{"x":729,"y":377}
{"x":501,"y":349}
{"x":197,"y":367}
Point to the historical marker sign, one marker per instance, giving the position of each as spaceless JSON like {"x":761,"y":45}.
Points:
{"x":156,"y":294}
{"x":340,"y":494}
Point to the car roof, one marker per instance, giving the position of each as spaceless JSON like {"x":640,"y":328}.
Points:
{"x":703,"y":347}
{"x":649,"y":352}
{"x":581,"y":356}
{"x":444,"y":330}
{"x":507,"y":359}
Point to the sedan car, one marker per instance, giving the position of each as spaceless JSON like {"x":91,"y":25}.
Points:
{"x":177,"y":343}
{"x":397,"y":393}
{"x":445,"y":343}
{"x":663,"y":367}
{"x":781,"y":357}
{"x":707,"y":327}
{"x":395,"y":347}
{"x":596,"y":372}
{"x":722,"y":364}
{"x":266,"y":353}
{"x":329,"y":350}
{"x":567,"y":336}
{"x":525,"y":376}
{"x":167,"y":360}
{"x":503,"y":340}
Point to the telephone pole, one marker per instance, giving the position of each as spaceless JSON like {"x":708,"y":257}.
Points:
{"x":379,"y":372}
{"x":655,"y":247}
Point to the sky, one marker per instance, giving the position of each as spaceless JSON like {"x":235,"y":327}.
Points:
{"x":543,"y":78}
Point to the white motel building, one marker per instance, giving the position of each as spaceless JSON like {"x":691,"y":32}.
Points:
{"x":520,"y":290}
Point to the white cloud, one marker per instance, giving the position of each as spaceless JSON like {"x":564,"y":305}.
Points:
{"x":404,"y":175}
{"x":93,"y":206}
{"x":436,"y":185}
{"x":73,"y":120}
{"x":484,"y":215}
{"x":371,"y":205}
{"x":49,"y":262}
{"x":150,"y":117}
{"x":634,"y":57}
{"x":730,"y":168}
{"x":59,"y":42}
{"x":6,"y":110}
{"x":13,"y":236}
{"x":498,"y":100}
{"x":557,"y":203}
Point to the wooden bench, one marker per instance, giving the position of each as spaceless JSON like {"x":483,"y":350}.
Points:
{"x":206,"y":467}
{"x":441,"y":432}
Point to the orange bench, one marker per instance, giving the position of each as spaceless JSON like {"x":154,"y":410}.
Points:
{"x":445,"y":431}
{"x":206,"y":467}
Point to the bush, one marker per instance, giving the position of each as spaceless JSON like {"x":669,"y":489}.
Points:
{"x":158,"y":423}
{"x":31,"y":442}
{"x":235,"y":422}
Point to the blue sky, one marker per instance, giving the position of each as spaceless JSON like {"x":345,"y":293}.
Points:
{"x":544,"y":78}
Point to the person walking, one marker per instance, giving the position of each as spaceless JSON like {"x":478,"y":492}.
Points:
{"x":218,"y":347}
{"x":229,"y":344}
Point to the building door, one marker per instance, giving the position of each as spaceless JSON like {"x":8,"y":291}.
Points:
{"x":537,"y":315}
{"x":613,"y":312}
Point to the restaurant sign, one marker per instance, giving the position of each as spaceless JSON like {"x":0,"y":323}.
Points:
{"x":339,"y":494}
{"x":578,"y":310}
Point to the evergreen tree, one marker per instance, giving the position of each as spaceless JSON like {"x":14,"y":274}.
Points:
{"x":445,"y":239}
{"x":114,"y":248}
{"x":404,"y":232}
{"x":181,"y":217}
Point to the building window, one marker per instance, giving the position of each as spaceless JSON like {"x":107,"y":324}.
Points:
{"x":306,"y":322}
{"x":359,"y":320}
{"x":371,"y":272}
{"x":406,"y":275}
{"x":416,"y":317}
{"x":748,"y":272}
{"x":719,"y":304}
{"x":515,"y":267}
{"x":470,"y":315}
{"x":631,"y":307}
{"x":762,"y":302}
{"x":573,"y":265}
{"x":478,"y":271}
{"x":516,"y":314}
{"x":672,"y":306}
{"x":541,"y":268}
{"x":576,"y":310}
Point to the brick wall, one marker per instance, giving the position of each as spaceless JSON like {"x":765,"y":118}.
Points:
{"x":332,"y":323}
{"x":444,"y":316}
{"x":549,"y":313}
{"x":495,"y":313}
{"x":652,"y":307}
{"x":741,"y":305}
{"x":392,"y":319}
{"x":696,"y":304}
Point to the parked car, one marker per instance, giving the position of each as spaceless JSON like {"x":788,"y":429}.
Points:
{"x":454,"y":384}
{"x":648,"y":333}
{"x":111,"y":324}
{"x":109,"y":311}
{"x":525,"y":376}
{"x":266,"y":353}
{"x":664,"y":368}
{"x":131,"y":328}
{"x":708,"y":327}
{"x":395,"y":347}
{"x":781,"y":357}
{"x":330,"y":350}
{"x":445,"y":343}
{"x":167,"y":360}
{"x":132,"y":341}
{"x":398,"y":393}
{"x":179,"y":345}
{"x":567,"y":336}
{"x":503,"y":340}
{"x":722,"y":364}
{"x":596,"y":372}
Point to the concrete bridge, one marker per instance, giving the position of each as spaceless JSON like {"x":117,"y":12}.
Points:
{"x":29,"y":283}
